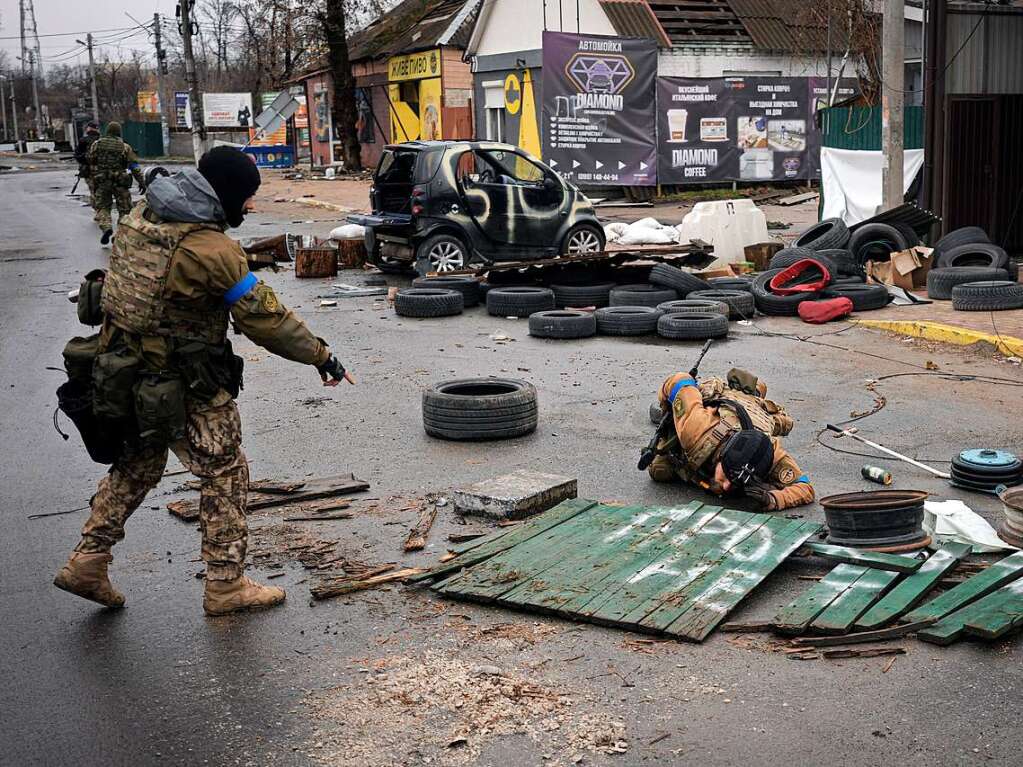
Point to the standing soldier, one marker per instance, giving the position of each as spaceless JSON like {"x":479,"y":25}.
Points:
{"x":110,"y":161}
{"x":82,"y":155}
{"x":166,"y":364}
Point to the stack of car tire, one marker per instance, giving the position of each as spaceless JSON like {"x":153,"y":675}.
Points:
{"x":975,"y":274}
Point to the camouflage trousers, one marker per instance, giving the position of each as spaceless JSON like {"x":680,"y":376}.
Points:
{"x":212,"y":451}
{"x":106,"y":194}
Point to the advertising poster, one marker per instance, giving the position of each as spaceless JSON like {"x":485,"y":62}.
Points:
{"x":321,"y":116}
{"x":275,"y":138}
{"x":182,"y":109}
{"x":227,"y":110}
{"x":364,"y":124}
{"x":598,"y":120}
{"x":429,"y":110}
{"x":302,"y":120}
{"x":148,"y":102}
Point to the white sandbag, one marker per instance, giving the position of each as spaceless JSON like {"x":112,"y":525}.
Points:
{"x":348,"y":232}
{"x":642,"y":236}
{"x":614,"y":230}
{"x":646,"y":223}
{"x":955,"y":521}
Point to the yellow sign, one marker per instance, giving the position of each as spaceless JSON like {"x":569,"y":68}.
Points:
{"x":429,"y":110}
{"x":512,"y":94}
{"x":148,"y":102}
{"x":414,"y":66}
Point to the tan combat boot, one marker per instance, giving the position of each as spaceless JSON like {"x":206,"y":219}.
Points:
{"x":85,"y":575}
{"x":223,"y":597}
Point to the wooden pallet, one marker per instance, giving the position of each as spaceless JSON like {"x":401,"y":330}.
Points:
{"x":676,"y":571}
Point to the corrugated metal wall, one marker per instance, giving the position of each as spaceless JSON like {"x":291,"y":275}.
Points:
{"x":860,"y":128}
{"x":991,"y":59}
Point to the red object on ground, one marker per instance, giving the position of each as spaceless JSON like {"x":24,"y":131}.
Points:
{"x":782,"y":283}
{"x":819,"y":312}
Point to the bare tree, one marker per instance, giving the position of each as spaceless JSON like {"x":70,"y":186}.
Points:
{"x":334,"y":21}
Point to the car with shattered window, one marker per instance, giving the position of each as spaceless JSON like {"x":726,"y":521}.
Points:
{"x":442,"y":206}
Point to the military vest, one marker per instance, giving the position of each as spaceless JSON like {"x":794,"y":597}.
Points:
{"x":109,"y":155}
{"x":135,"y":286}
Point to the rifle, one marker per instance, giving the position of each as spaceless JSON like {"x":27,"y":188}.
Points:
{"x":667,"y":424}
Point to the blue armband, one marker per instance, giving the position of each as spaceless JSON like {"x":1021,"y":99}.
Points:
{"x":678,"y":387}
{"x":240,"y":289}
{"x":804,"y":479}
{"x":132,"y":165}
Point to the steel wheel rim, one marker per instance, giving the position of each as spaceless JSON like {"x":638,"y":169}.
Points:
{"x":446,"y":257}
{"x":583,"y":241}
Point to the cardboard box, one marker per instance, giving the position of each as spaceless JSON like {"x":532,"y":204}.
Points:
{"x":907,"y":269}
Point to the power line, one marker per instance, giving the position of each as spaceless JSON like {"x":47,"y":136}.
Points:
{"x":70,"y":34}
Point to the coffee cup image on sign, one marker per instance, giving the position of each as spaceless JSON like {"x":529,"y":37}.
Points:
{"x":752,"y":132}
{"x":677,"y":125}
{"x":756,"y":164}
{"x":787,"y":135}
{"x":713,"y":129}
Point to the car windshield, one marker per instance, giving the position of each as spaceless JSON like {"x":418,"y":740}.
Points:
{"x":515,"y":166}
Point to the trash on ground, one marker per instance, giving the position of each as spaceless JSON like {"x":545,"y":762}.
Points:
{"x":521,"y":494}
{"x":344,"y":290}
{"x":952,"y":520}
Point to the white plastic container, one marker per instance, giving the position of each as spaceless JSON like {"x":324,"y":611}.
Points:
{"x":728,"y":225}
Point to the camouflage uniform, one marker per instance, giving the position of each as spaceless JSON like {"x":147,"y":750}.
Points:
{"x":171,"y":283}
{"x":110,"y":161}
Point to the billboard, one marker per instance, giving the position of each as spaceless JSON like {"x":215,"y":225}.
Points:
{"x":227,"y":110}
{"x":182,"y":109}
{"x":598,"y":120}
{"x":148,"y":102}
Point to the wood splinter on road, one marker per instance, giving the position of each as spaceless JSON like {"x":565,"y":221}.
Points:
{"x":417,"y":535}
{"x":347,"y":586}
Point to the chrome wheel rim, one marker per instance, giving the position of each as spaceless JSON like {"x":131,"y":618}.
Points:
{"x":583,"y":241}
{"x":446,"y":257}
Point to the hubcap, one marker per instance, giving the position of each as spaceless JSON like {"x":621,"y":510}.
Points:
{"x":446,"y":257}
{"x":583,"y":241}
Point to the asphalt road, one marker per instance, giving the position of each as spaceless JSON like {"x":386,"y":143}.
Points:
{"x":160,"y":683}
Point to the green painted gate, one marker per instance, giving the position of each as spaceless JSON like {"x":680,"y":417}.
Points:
{"x":145,"y":138}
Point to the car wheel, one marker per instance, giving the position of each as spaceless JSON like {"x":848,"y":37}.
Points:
{"x":480,"y":409}
{"x":441,"y":253}
{"x":987,"y":296}
{"x":692,"y":327}
{"x":582,"y":239}
{"x":427,"y":302}
{"x":562,"y":323}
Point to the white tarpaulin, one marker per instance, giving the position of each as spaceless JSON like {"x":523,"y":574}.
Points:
{"x":851,"y":179}
{"x":955,"y":521}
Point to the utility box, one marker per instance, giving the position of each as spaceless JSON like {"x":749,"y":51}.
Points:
{"x":728,"y":225}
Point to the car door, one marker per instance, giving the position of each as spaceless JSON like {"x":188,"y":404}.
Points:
{"x":535,"y":200}
{"x":486,"y":198}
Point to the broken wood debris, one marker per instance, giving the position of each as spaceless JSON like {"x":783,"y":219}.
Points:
{"x":880,"y":635}
{"x":271,"y":494}
{"x":862,"y":652}
{"x":337,"y":587}
{"x":892,"y":562}
{"x":417,"y":535}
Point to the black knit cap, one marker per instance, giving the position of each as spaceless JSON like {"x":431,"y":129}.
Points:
{"x":233,"y":176}
{"x":747,"y":455}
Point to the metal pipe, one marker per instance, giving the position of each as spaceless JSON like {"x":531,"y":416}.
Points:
{"x":885,"y":450}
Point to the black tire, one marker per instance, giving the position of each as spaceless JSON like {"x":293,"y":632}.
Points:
{"x":480,"y":409}
{"x":908,"y":233}
{"x":845,"y":264}
{"x":427,"y":302}
{"x":864,"y":298}
{"x":692,"y":327}
{"x":850,"y":280}
{"x":788,"y":256}
{"x":520,"y":301}
{"x":865,"y":526}
{"x":627,"y":320}
{"x":989,"y":296}
{"x":775,"y":305}
{"x":562,"y":323}
{"x":598,"y":295}
{"x":1013,"y":269}
{"x":579,"y":232}
{"x":438,"y":242}
{"x":829,"y":233}
{"x":979,"y":254}
{"x":967,"y":235}
{"x":740,"y":303}
{"x":641,"y":295}
{"x":731,"y":283}
{"x":875,"y":242}
{"x":941,"y":281}
{"x":697,"y":305}
{"x":672,"y":277}
{"x":467,"y":286}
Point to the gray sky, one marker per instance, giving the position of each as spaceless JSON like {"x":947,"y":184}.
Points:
{"x":81,"y":16}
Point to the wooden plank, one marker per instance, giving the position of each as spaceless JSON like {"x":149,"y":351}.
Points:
{"x":913,"y":588}
{"x":981,"y":584}
{"x":797,"y":616}
{"x":893,"y":562}
{"x":746,"y":569}
{"x":880,"y":635}
{"x":842,"y":613}
{"x":576,"y":580}
{"x":863,"y":652}
{"x":797,"y":198}
{"x":990,"y":617}
{"x":481,"y":549}
{"x":416,"y":540}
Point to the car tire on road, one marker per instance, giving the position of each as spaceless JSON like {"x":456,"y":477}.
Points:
{"x":786,"y":257}
{"x":627,"y":320}
{"x":908,"y":233}
{"x":740,"y":302}
{"x":582,"y":238}
{"x":427,"y":302}
{"x":774,"y":305}
{"x":681,"y":282}
{"x":942,"y":280}
{"x":562,"y":323}
{"x":845,"y":264}
{"x":966,"y":235}
{"x":697,"y":305}
{"x":597,"y":295}
{"x":641,"y":295}
{"x":731,"y":283}
{"x":467,"y":286}
{"x":692,"y":327}
{"x":976,"y":254}
{"x":988,"y":296}
{"x":441,"y":253}
{"x":480,"y":409}
{"x":875,"y":241}
{"x":519,"y":301}
{"x":829,"y":233}
{"x":864,"y":298}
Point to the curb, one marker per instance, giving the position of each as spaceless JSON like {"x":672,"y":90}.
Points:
{"x":949,"y":334}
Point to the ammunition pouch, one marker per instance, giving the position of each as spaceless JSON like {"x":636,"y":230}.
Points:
{"x":80,"y":357}
{"x":113,"y":380}
{"x":206,"y":369}
{"x":103,"y":440}
{"x":160,"y":409}
{"x":89,"y":296}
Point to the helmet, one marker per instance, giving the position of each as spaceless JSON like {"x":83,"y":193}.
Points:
{"x":747,"y":455}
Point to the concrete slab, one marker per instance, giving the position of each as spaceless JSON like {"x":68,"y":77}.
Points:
{"x":517,"y":495}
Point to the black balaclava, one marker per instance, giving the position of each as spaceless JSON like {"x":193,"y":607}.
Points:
{"x":233,"y":176}
{"x":747,"y":455}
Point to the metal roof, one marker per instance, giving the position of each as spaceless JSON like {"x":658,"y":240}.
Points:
{"x":635,"y":18}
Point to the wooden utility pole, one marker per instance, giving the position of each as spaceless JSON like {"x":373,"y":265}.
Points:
{"x":185,"y":27}
{"x":14,"y":115}
{"x":33,"y":65}
{"x":893,"y":43}
{"x":92,"y":76}
{"x":165,"y":104}
{"x":3,"y":106}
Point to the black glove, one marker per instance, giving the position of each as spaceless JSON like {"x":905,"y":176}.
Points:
{"x":333,"y":372}
{"x":761,"y":495}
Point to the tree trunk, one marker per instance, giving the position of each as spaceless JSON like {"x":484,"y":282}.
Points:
{"x":344,"y":110}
